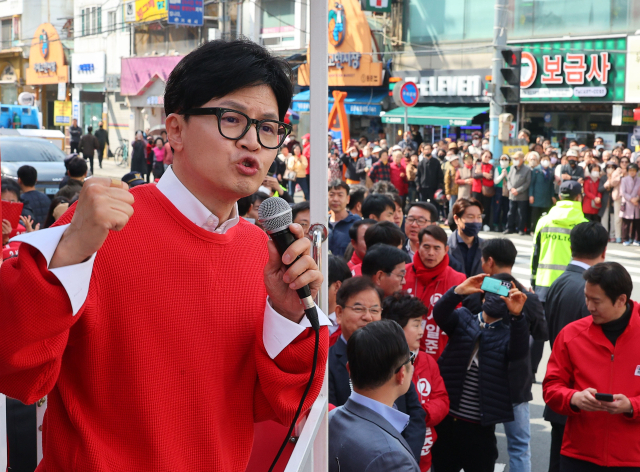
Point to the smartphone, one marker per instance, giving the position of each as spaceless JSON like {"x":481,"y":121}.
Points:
{"x":499,"y":287}
{"x":604,"y":397}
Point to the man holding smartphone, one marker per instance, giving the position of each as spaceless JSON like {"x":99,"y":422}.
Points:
{"x":593,"y":376}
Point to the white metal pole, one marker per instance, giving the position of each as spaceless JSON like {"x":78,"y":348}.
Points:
{"x":318,"y":123}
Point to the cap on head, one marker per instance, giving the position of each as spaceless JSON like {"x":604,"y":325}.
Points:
{"x":570,"y":189}
{"x":572,"y":153}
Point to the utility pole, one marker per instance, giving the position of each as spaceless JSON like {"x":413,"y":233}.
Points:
{"x":497,"y":100}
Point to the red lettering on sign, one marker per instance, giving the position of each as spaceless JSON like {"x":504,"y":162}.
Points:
{"x":600,"y":73}
{"x":552,"y":70}
{"x":574,"y":69}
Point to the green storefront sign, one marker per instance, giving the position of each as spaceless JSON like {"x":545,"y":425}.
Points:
{"x":588,"y":70}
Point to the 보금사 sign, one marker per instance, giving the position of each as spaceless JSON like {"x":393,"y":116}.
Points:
{"x":586,"y":70}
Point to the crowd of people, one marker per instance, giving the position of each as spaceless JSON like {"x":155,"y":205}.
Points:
{"x":423,"y":362}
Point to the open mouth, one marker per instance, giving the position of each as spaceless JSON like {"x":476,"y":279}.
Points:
{"x":248,"y":166}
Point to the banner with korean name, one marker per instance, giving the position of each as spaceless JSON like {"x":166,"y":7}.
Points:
{"x":186,"y":12}
{"x":586,"y":70}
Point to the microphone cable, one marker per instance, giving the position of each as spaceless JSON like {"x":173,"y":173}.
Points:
{"x":312,"y":316}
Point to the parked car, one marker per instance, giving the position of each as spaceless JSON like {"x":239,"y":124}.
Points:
{"x":48,"y":160}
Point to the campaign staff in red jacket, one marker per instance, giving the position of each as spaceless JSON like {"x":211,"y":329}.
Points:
{"x":408,"y":312}
{"x":171,"y":377}
{"x":428,"y":277}
{"x":598,"y":355}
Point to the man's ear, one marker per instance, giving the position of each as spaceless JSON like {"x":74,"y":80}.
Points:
{"x":174,"y":125}
{"x":400,"y":376}
{"x":339,"y":315}
{"x":338,"y":284}
{"x":376,"y":277}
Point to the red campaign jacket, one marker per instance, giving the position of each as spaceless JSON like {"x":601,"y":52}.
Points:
{"x":590,"y":193}
{"x":434,"y":339}
{"x":434,"y":399}
{"x":477,"y":184}
{"x":355,"y":260}
{"x":582,"y":357}
{"x":401,"y":183}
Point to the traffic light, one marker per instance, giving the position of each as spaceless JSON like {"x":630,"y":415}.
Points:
{"x":511,"y":75}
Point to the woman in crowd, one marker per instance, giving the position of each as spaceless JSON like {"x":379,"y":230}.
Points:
{"x":355,"y":170}
{"x":139,"y":155}
{"x":614,"y":180}
{"x":609,"y":188}
{"x":335,"y":167}
{"x":463,"y":177}
{"x":592,"y":200}
{"x":630,"y":189}
{"x":500,"y":201}
{"x":541,"y":190}
{"x":412,"y":172}
{"x":297,"y":165}
{"x":483,"y":188}
{"x":158,"y":158}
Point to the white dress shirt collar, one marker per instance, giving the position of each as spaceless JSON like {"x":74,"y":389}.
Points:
{"x":396,"y":418}
{"x":187,"y":204}
{"x":580,"y":264}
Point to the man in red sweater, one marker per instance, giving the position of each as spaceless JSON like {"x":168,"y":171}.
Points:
{"x":428,"y":277}
{"x":172,"y":375}
{"x":593,"y":376}
{"x":408,"y":312}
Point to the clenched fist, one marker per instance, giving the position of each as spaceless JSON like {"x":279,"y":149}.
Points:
{"x":103,"y":205}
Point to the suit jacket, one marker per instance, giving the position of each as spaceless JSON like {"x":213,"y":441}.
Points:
{"x":565,"y":304}
{"x":362,"y":440}
{"x":340,"y":390}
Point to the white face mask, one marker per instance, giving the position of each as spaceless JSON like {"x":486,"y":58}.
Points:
{"x":545,"y":163}
{"x":595,"y":175}
{"x":485,"y":147}
{"x":554,"y":160}
{"x":516,"y":162}
{"x":504,"y":163}
{"x":354,"y":154}
{"x":476,"y":142}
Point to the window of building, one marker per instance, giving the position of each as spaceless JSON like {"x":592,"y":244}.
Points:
{"x":111,"y":21}
{"x":94,"y":21}
{"x":6,"y":33}
{"x":277,"y":15}
{"x":99,"y":16}
{"x":84,"y":28}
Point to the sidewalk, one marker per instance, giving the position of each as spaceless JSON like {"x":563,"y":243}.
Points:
{"x":110,"y":169}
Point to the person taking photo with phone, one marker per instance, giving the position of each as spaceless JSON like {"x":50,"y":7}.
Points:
{"x":593,"y":376}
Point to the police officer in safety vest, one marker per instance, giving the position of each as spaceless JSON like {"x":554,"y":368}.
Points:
{"x":552,"y":247}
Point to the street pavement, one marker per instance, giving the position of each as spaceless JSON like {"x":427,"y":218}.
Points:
{"x":540,"y":429}
{"x":110,"y":169}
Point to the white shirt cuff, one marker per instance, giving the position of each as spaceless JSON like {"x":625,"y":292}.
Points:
{"x":74,"y":278}
{"x":278,"y":331}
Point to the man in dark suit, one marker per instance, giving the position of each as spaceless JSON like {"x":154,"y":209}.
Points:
{"x":566,"y":304}
{"x":358,"y":303}
{"x":365,"y":433}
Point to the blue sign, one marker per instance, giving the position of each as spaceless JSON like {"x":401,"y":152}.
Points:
{"x":351,"y":108}
{"x":86,"y":68}
{"x":186,"y":12}
{"x":409,"y":94}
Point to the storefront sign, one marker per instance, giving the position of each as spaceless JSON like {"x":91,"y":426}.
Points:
{"x":62,"y":113}
{"x":574,"y":70}
{"x":88,"y":68}
{"x":350,"y":50}
{"x":449,"y":86}
{"x":380,"y":6}
{"x":46,"y":58}
{"x":351,"y":108}
{"x":151,"y":10}
{"x":186,"y":12}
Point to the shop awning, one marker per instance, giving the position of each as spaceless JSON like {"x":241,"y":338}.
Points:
{"x":360,"y":102}
{"x":434,"y":116}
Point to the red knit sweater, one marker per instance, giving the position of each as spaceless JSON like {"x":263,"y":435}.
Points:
{"x":163,"y":368}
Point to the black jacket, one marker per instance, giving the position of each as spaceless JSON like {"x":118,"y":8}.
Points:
{"x":430,"y":175}
{"x":39,"y":204}
{"x":498,"y":345}
{"x":355,"y":167}
{"x":565,"y":304}
{"x":103,"y":137}
{"x":520,"y":372}
{"x":457,"y":257}
{"x":576,"y":172}
{"x":340,"y":390}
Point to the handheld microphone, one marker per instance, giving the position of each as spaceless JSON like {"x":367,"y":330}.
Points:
{"x":274,"y":215}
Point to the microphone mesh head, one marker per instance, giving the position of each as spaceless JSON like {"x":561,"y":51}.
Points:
{"x":274,"y":214}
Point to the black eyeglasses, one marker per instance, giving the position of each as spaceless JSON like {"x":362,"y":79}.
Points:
{"x":233,"y":124}
{"x":412,"y":359}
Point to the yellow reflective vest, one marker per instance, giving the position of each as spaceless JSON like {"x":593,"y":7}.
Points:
{"x":552,"y":246}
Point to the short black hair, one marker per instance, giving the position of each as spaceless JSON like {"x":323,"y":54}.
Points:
{"x":244,"y":205}
{"x":395,"y":198}
{"x":383,"y":232}
{"x":426,"y":206}
{"x":259,"y":197}
{"x":402,"y":307}
{"x":436,"y":232}
{"x":588,"y":240}
{"x":89,"y":129}
{"x":501,"y":250}
{"x":28,"y":175}
{"x":218,"y":68}
{"x":357,"y":194}
{"x":383,"y":186}
{"x":77,"y":167}
{"x":337,"y":184}
{"x":297,"y":208}
{"x":382,"y":257}
{"x":10,"y":185}
{"x":353,"y":231}
{"x":376,"y":204}
{"x":612,"y":278}
{"x":338,"y":269}
{"x":375,"y":352}
{"x":354,"y":286}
